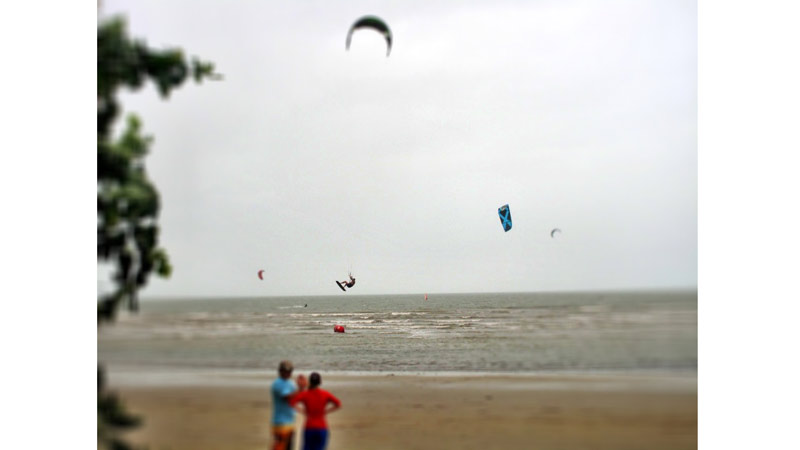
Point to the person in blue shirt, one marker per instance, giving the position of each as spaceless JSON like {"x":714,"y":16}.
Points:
{"x":282,"y":413}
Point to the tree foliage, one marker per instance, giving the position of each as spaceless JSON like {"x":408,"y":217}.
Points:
{"x":127,"y":201}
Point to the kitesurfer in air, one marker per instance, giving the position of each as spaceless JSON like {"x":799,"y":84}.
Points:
{"x":350,"y":283}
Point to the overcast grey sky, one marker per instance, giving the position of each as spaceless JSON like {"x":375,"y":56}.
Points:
{"x":308,"y":161}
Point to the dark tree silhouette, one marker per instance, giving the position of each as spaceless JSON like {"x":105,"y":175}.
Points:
{"x":127,"y":201}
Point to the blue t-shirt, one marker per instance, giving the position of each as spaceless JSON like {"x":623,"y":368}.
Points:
{"x":282,"y":413}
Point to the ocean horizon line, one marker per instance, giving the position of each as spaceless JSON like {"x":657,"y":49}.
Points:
{"x":633,"y":290}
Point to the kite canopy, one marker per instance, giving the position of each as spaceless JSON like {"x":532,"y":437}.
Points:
{"x":555,"y":230}
{"x":260,"y":274}
{"x":505,"y":217}
{"x":376,"y":24}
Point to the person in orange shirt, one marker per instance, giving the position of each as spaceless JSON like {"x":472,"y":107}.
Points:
{"x":317,"y":404}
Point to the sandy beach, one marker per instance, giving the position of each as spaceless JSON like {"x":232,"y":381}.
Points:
{"x":446,"y":411}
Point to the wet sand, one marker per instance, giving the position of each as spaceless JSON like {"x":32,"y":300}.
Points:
{"x":434,"y":412}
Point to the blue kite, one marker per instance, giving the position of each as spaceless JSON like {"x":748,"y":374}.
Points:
{"x":505,"y":217}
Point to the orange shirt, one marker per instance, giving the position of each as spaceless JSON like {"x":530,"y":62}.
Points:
{"x":315,"y":401}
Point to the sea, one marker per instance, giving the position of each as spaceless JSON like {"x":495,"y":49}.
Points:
{"x":474,"y":332}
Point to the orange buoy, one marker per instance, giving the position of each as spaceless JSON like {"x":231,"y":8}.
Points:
{"x":338,"y":328}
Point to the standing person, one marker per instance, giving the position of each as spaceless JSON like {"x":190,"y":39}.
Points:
{"x":318,"y":403}
{"x":282,"y":413}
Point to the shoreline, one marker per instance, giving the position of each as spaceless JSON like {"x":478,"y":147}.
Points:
{"x":140,"y":376}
